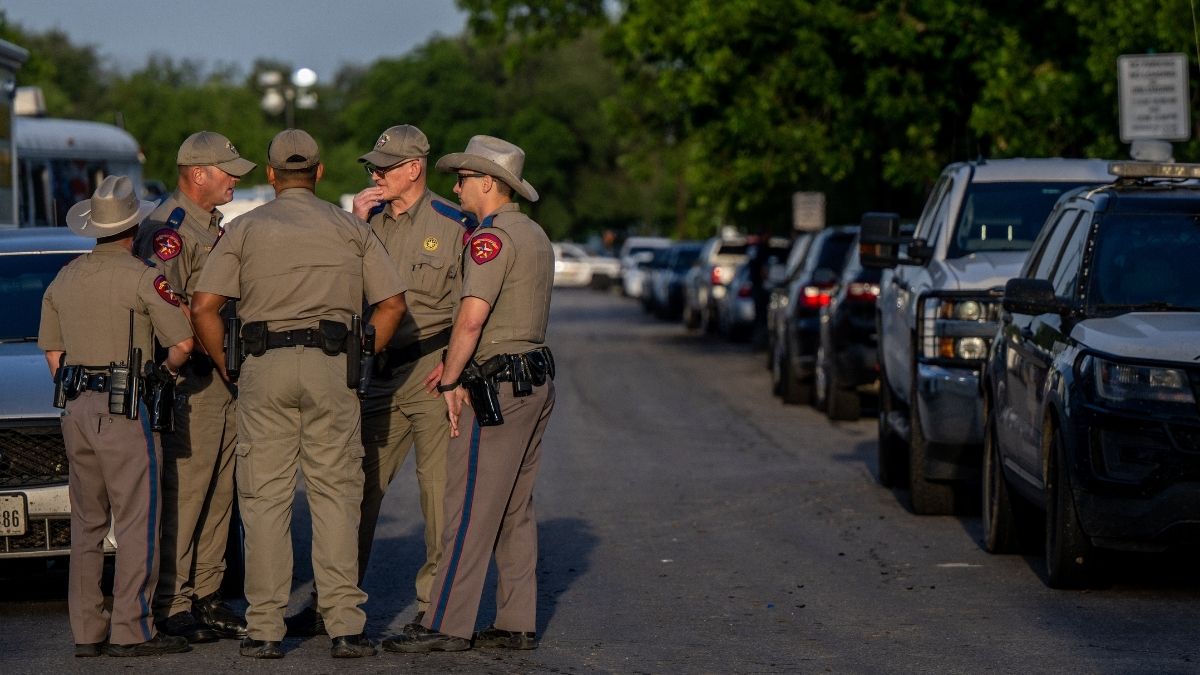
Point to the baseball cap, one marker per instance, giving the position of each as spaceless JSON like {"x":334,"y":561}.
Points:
{"x":208,"y":148}
{"x":293,"y":149}
{"x":398,"y":143}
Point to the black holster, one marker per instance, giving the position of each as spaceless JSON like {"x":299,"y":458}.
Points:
{"x":159,"y":396}
{"x":485,"y":397}
{"x":333,"y":337}
{"x":234,"y":350}
{"x":67,"y":384}
{"x":254,"y":338}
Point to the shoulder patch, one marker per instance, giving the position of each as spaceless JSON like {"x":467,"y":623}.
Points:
{"x":175,"y":220}
{"x":165,"y":291}
{"x":167,"y":244}
{"x":485,"y":247}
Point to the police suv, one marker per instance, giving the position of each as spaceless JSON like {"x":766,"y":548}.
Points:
{"x":1092,"y":383}
{"x":937,"y":311}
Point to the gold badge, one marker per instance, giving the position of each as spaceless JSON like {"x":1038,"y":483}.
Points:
{"x":431,"y":244}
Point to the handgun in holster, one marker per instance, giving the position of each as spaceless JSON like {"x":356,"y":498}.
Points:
{"x":485,"y":397}
{"x":67,"y":380}
{"x":124,"y":381}
{"x":366,"y":364}
{"x":160,"y":398}
{"x":233,"y":341}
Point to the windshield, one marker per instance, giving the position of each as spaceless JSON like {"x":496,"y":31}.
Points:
{"x":1145,"y":262}
{"x":1004,"y":216}
{"x":684,"y":258}
{"x":23,"y":280}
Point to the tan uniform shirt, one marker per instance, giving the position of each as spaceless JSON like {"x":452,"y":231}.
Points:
{"x":298,"y":259}
{"x":426,"y":243}
{"x":179,"y":252}
{"x":85,"y":310}
{"x":509,"y":264}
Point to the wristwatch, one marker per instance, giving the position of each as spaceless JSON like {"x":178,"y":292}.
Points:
{"x":448,"y":387}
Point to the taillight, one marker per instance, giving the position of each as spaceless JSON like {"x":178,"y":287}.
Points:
{"x":815,"y":296}
{"x":745,"y":291}
{"x":718,"y":278}
{"x":862,"y":292}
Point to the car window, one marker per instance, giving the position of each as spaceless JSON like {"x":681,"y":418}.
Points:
{"x":684,"y":258}
{"x":1004,"y":216}
{"x":23,"y":281}
{"x":1050,"y":253}
{"x":796,"y":256}
{"x":924,"y":226}
{"x":1145,"y":261}
{"x":833,"y":254}
{"x":1066,"y":274}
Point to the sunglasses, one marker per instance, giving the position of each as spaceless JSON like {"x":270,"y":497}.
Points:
{"x":464,"y":176}
{"x":373,"y":170}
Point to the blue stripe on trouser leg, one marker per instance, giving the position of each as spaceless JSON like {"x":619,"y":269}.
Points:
{"x":460,"y":538}
{"x":151,"y":521}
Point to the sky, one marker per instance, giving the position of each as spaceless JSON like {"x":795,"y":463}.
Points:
{"x":318,"y":34}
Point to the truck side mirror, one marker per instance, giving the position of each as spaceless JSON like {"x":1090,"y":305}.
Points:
{"x":878,"y":238}
{"x":1032,"y":296}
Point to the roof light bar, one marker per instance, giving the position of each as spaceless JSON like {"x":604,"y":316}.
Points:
{"x":1154,"y":170}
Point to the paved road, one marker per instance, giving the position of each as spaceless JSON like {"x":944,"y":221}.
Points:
{"x":689,"y":522}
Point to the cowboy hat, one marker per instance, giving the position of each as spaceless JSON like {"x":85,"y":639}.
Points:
{"x":494,"y":156}
{"x":112,"y":209}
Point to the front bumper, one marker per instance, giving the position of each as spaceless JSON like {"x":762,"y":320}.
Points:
{"x":1136,"y":478}
{"x":951,"y":416}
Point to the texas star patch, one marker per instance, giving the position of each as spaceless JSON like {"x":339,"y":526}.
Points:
{"x":431,"y":244}
{"x":485,"y":247}
{"x":167,"y":244}
{"x":164,"y":290}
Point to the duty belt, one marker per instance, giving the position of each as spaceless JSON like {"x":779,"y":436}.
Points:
{"x":400,"y":356}
{"x":300,"y":337}
{"x":94,"y":382}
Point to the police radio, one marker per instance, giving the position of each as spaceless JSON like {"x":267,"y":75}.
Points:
{"x":124,"y":382}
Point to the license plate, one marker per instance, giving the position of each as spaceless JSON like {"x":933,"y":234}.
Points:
{"x":13,"y":513}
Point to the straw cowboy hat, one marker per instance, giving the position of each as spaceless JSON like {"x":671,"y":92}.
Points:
{"x":112,"y":209}
{"x":494,"y":156}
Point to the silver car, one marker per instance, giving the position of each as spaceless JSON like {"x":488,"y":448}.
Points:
{"x":35,"y":509}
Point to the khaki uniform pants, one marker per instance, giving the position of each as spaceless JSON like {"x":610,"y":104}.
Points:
{"x":397,"y":414}
{"x":296,"y":412}
{"x":197,"y":493}
{"x":114,"y":469}
{"x":489,"y":507}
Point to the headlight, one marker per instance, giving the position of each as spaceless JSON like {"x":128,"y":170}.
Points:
{"x":1123,"y":383}
{"x":957,"y":329}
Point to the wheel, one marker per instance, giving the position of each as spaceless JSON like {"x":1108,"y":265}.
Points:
{"x":770,"y":349}
{"x":1070,"y":558}
{"x":891,"y":450}
{"x":793,"y":391}
{"x":1000,"y":530}
{"x":842,"y":403}
{"x":820,"y":381}
{"x":691,"y":318}
{"x":777,"y":356}
{"x":929,"y":498}
{"x":708,"y":318}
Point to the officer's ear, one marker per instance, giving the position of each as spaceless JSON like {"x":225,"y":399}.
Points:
{"x":320,"y":171}
{"x":270,"y":175}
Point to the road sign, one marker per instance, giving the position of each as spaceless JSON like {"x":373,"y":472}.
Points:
{"x":808,"y":211}
{"x":1153,"y":93}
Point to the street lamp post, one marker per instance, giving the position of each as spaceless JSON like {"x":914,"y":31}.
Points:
{"x":284,"y":97}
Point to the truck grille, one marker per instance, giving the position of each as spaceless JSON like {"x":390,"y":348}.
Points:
{"x":31,"y":456}
{"x":43,"y":534}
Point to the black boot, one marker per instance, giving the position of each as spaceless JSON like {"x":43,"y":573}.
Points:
{"x":424,"y":640}
{"x":352,"y":647}
{"x":159,"y":644}
{"x":183,"y":624}
{"x":216,"y":614}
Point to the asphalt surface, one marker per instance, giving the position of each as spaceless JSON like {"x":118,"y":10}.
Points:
{"x":690,"y":522}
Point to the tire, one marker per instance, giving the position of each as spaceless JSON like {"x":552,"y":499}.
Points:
{"x":792,"y":391}
{"x":891,"y":451}
{"x":842,"y":403}
{"x":1000,"y":526}
{"x":1070,"y":557}
{"x":929,"y":498}
{"x":820,"y":384}
{"x":708,"y":319}
{"x":691,"y":318}
{"x":777,"y":357}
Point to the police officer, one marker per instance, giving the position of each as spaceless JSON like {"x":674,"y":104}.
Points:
{"x":424,"y":235}
{"x":497,"y":341}
{"x":301,"y":268}
{"x":198,"y":456}
{"x":113,"y":454}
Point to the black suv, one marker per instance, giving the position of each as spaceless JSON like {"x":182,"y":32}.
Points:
{"x":1092,"y":382}
{"x":847,"y":363}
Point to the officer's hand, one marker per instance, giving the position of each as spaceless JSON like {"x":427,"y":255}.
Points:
{"x":434,"y":377}
{"x":366,"y":200}
{"x":455,"y":399}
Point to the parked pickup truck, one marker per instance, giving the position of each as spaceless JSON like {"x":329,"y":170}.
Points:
{"x":938,"y":309}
